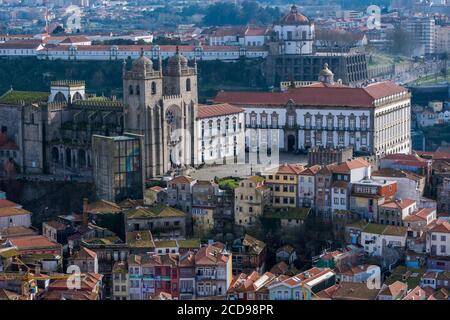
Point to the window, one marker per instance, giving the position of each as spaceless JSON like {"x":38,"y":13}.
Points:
{"x":153,"y":87}
{"x":442,"y":238}
{"x":188,"y":84}
{"x":138,"y":90}
{"x":130,"y":90}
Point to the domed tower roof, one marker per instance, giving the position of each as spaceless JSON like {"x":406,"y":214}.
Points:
{"x":177,"y":62}
{"x":142,"y":63}
{"x":294,"y":18}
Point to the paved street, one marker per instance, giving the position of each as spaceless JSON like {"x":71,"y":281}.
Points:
{"x":242,"y":170}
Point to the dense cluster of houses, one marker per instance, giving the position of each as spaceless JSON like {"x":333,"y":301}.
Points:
{"x":394,"y":243}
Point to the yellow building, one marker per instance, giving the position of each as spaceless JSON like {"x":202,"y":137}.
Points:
{"x":283,"y":183}
{"x":250,"y":198}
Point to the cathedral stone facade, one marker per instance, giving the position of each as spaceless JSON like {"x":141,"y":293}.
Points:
{"x":161,"y":106}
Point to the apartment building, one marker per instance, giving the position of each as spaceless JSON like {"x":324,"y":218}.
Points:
{"x":284,"y":182}
{"x":250,"y":198}
{"x":213,"y":271}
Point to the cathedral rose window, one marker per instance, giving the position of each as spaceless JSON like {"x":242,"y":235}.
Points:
{"x":169,"y":117}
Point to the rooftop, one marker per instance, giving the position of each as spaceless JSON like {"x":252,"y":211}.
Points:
{"x":315,"y":96}
{"x":158,"y":211}
{"x":14,"y":97}
{"x":217,"y":110}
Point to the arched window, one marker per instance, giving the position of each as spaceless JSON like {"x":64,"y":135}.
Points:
{"x":59,"y":97}
{"x":138,"y":90}
{"x":130,"y":89}
{"x":234,"y":124}
{"x":188,"y":84}
{"x":153,"y":87}
{"x":77,"y":96}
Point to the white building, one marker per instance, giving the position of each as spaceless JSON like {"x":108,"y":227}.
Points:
{"x":221,"y":133}
{"x":14,"y":217}
{"x":409,"y":184}
{"x":295,"y":33}
{"x":375,"y":238}
{"x":20,"y":48}
{"x":155,"y":52}
{"x":438,"y":239}
{"x":306,"y":187}
{"x":373,"y":119}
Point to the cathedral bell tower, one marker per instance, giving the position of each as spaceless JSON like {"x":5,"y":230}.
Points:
{"x":142,"y":93}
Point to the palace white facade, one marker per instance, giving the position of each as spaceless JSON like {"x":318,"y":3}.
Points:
{"x":374,"y":119}
{"x":221,"y":132}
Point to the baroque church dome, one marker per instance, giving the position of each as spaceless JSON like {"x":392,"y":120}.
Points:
{"x":294,"y":18}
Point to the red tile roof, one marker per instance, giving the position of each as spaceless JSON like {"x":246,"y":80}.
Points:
{"x":398,"y":204}
{"x":33,"y":242}
{"x":4,"y":203}
{"x":217,"y":110}
{"x":289,"y":169}
{"x":11,"y":211}
{"x":182,"y":180}
{"x":347,"y":166}
{"x":441,"y":226}
{"x":314,"y":96}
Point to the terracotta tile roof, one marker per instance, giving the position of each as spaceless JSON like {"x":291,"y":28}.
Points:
{"x":211,"y":255}
{"x":354,"y":291}
{"x":4,"y":203}
{"x":11,"y":211}
{"x":217,"y":110}
{"x":310,"y":171}
{"x":89,"y":282}
{"x":419,"y":215}
{"x":398,"y":204}
{"x":181,"y":180}
{"x":441,"y":226}
{"x":314,"y":96}
{"x":416,"y":294}
{"x":347,"y":166}
{"x":103,"y":206}
{"x":289,"y":168}
{"x":56,"y":225}
{"x":17,"y":231}
{"x":395,"y":289}
{"x":327,"y":293}
{"x":84,"y":253}
{"x":75,"y":39}
{"x":33,"y":242}
{"x":406,"y":159}
{"x":388,"y":172}
{"x":21,"y":44}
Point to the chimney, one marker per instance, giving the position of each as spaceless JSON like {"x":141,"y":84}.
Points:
{"x":85,"y":212}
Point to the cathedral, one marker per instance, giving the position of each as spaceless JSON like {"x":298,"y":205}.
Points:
{"x":51,"y":133}
{"x":161,"y":106}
